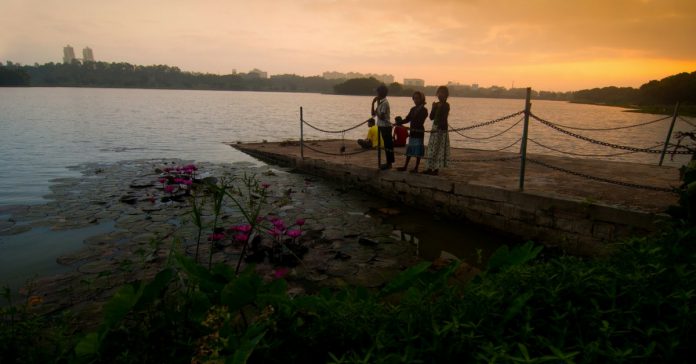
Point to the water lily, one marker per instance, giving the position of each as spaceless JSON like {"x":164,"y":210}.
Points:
{"x":244,"y":228}
{"x":300,"y":222}
{"x":162,"y":180}
{"x":294,"y":233}
{"x":241,"y":237}
{"x":216,"y":237}
{"x":280,"y":272}
{"x":265,"y":185}
{"x":279,"y":224}
{"x":169,"y":188}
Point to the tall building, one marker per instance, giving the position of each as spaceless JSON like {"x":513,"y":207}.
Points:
{"x":87,"y":55}
{"x":68,"y":54}
{"x":415,"y":82}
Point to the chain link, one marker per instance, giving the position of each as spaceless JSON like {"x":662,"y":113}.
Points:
{"x":337,"y":154}
{"x":491,"y":136}
{"x":486,"y":123}
{"x":335,"y":131}
{"x":601,"y":179}
{"x":588,"y":155}
{"x":687,"y":121}
{"x":599,"y":142}
{"x":615,"y":128}
{"x":496,"y":159}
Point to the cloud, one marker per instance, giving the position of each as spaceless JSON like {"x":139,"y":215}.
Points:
{"x":439,"y":41}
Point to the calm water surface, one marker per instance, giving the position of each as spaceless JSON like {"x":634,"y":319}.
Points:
{"x":44,"y":130}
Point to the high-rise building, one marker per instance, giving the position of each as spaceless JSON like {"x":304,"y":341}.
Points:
{"x":87,"y":55}
{"x":68,"y":54}
{"x":415,"y":82}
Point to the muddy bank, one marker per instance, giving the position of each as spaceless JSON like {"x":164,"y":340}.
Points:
{"x":142,"y":230}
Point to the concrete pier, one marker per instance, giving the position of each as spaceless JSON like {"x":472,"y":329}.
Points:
{"x":578,"y":214}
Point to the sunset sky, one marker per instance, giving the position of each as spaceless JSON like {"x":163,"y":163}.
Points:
{"x":555,"y":45}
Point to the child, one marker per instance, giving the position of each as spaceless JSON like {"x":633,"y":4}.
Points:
{"x":381,"y":114}
{"x":438,"y":144}
{"x":416,"y":117}
{"x":371,"y":140}
{"x":400,"y":136}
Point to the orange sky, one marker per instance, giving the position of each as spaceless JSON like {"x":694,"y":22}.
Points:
{"x":546,"y":44}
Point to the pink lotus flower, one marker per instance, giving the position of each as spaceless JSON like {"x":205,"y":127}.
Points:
{"x":191,"y":167}
{"x":294,"y":233}
{"x":280,"y":272}
{"x":162,"y":180}
{"x":275,"y":232}
{"x":300,"y":222}
{"x":279,"y":224}
{"x":241,"y":237}
{"x":244,"y":228}
{"x":216,"y":237}
{"x":187,"y":182}
{"x":169,"y":188}
{"x":265,"y":185}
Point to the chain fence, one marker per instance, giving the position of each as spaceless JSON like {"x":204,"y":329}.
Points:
{"x":600,"y":142}
{"x":600,"y":179}
{"x":335,"y":131}
{"x":561,"y":128}
{"x":613,"y":128}
{"x":342,"y":153}
{"x":490,"y":136}
{"x":687,"y":121}
{"x":486,"y":123}
{"x":587,"y":155}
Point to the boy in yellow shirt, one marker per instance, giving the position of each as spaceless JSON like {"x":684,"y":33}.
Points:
{"x":371,"y":140}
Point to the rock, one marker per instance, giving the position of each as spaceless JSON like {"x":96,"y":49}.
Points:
{"x":367,"y":242}
{"x":142,"y":183}
{"x":131,"y":200}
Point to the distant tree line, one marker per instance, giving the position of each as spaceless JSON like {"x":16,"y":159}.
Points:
{"x":656,"y":95}
{"x":126,"y":75}
{"x":11,"y":75}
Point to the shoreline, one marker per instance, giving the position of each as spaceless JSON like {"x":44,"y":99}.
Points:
{"x":143,"y":234}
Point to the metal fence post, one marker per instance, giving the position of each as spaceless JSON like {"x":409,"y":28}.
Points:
{"x":669,"y":133}
{"x":523,"y":146}
{"x":301,"y":133}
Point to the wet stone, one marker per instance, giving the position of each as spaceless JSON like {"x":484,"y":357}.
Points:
{"x":98,"y":266}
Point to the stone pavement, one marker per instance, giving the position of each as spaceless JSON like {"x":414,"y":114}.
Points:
{"x":505,"y":174}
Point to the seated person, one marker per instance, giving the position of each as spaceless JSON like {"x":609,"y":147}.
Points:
{"x":372,"y":133}
{"x":400,"y":135}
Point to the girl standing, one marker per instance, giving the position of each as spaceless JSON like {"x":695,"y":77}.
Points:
{"x":417,"y":116}
{"x":438,"y":144}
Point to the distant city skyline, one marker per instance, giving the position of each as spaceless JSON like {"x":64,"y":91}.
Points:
{"x":546,"y":44}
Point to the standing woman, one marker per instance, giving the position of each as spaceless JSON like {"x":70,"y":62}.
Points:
{"x":381,"y":114}
{"x":438,"y":145}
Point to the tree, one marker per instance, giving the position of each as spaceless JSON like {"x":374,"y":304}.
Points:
{"x":358,"y":86}
{"x":12,"y":75}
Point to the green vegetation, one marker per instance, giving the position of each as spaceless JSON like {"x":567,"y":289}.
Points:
{"x":633,"y":306}
{"x":125,"y":75}
{"x":654,"y":96}
{"x":11,"y":75}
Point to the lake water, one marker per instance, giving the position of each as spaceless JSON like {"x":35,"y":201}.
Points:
{"x":44,"y":130}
